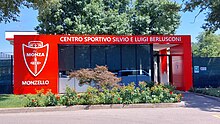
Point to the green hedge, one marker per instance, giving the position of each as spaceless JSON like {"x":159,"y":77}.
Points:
{"x":207,"y":91}
{"x":144,"y":93}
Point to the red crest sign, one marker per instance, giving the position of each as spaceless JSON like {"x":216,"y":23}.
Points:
{"x":35,"y":56}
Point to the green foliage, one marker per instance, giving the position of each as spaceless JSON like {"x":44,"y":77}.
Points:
{"x":207,"y":46}
{"x":100,"y":76}
{"x":40,"y":99}
{"x":170,"y":87}
{"x":117,"y":95}
{"x":208,"y":91}
{"x":155,"y":17}
{"x":91,"y":96}
{"x":51,"y":99}
{"x":165,"y":94}
{"x":109,"y":17}
{"x":69,"y":98}
{"x":130,"y":94}
{"x":36,"y":101}
{"x":211,"y":8}
{"x":10,"y":9}
{"x":150,"y":84}
{"x":106,"y":96}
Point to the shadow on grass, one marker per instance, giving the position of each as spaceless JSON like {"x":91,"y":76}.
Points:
{"x":4,"y":97}
{"x":203,"y":103}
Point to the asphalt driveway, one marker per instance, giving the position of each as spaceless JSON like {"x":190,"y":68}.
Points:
{"x":199,"y":110}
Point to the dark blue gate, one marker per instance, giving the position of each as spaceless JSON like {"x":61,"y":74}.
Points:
{"x":6,"y":73}
{"x":206,"y":72}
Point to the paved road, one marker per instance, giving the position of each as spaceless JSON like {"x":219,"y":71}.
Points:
{"x":201,"y":102}
{"x":199,"y":110}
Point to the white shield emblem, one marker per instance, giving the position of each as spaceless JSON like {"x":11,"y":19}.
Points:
{"x":35,"y":56}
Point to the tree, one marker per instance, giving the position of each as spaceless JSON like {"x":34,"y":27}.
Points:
{"x":207,"y":46}
{"x":155,"y":17}
{"x":209,"y":7}
{"x":99,"y":75}
{"x":10,"y":9}
{"x":84,"y":17}
{"x":109,"y":17}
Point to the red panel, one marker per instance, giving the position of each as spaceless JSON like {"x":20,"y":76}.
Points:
{"x":182,"y":77}
{"x":177,"y":70}
{"x":187,"y":65}
{"x":176,"y":50}
{"x":163,"y":61}
{"x":177,"y":67}
{"x":25,"y":78}
{"x":114,"y":39}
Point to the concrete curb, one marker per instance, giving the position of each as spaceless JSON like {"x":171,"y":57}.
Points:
{"x":211,"y":97}
{"x":90,"y":107}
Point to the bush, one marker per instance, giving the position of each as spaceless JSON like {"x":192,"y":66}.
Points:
{"x":161,"y":93}
{"x":91,"y":96}
{"x":170,"y":87}
{"x":130,"y":94}
{"x":38,"y":100}
{"x":106,"y":96}
{"x":69,"y":98}
{"x":99,"y":75}
{"x":51,"y":99}
{"x":144,"y":93}
{"x":208,"y":91}
{"x":151,"y":84}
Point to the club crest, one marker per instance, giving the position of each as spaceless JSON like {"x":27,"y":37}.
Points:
{"x":35,"y":56}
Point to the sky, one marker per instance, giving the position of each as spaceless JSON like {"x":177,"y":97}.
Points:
{"x":28,"y":20}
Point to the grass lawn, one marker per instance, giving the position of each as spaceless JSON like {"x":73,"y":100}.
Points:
{"x":12,"y":101}
{"x":208,"y":91}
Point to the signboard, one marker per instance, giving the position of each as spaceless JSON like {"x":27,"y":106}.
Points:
{"x":203,"y":68}
{"x":196,"y":69}
{"x":35,"y":65}
{"x":114,"y":39}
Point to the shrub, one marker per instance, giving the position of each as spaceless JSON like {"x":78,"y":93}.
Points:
{"x":81,"y":99}
{"x":208,"y":91}
{"x":106,"y":96}
{"x":116,"y":97}
{"x":161,"y":93}
{"x":170,"y":87}
{"x":91,"y":96}
{"x":130,"y":94}
{"x":40,"y":99}
{"x":36,"y":101}
{"x":51,"y":99}
{"x":99,"y":75}
{"x":69,"y":98}
{"x":32,"y":101}
{"x":145,"y":93}
{"x":151,"y":84}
